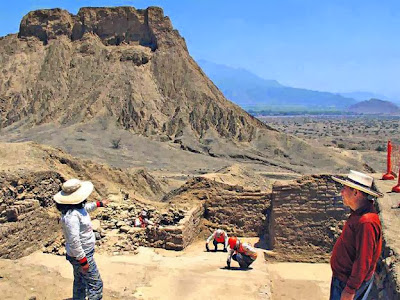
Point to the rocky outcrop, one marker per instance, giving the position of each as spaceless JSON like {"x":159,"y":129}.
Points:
{"x":113,"y":26}
{"x":85,"y":40}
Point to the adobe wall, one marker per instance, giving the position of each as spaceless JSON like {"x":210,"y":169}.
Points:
{"x":388,"y":268}
{"x":306,"y":221}
{"x":387,"y":278}
{"x":239,"y":212}
{"x":176,"y":237}
{"x":25,"y":222}
{"x":306,"y":218}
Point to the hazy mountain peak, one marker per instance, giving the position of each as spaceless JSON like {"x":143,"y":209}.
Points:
{"x":249,"y":90}
{"x":375,"y":106}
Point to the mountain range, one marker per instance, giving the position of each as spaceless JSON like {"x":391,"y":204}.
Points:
{"x":251,"y":91}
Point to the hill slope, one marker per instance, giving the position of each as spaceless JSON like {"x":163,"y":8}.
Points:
{"x":131,"y":67}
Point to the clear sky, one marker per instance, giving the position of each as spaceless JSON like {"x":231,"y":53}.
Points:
{"x":326,"y":45}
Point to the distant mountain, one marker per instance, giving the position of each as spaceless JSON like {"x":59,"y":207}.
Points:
{"x":363,"y":96}
{"x":375,"y":106}
{"x":249,"y":90}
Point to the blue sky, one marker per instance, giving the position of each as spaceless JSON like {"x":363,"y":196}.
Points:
{"x":330,"y":45}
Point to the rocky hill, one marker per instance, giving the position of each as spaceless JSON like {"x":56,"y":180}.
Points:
{"x":375,"y":106}
{"x":131,"y":67}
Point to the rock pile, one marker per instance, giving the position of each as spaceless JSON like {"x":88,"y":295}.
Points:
{"x":115,"y":231}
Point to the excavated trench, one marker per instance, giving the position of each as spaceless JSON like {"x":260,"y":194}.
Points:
{"x":299,"y":219}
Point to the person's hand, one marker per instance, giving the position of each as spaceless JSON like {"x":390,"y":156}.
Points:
{"x":208,"y":249}
{"x":346,"y":296}
{"x":228,"y":263}
{"x":105,"y":202}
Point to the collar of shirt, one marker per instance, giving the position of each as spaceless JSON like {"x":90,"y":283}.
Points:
{"x":369,"y":207}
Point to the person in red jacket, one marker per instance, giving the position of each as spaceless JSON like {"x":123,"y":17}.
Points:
{"x":244,"y":253}
{"x":219,"y":236}
{"x":358,"y":248}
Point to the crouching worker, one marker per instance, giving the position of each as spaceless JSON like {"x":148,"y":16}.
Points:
{"x":243,"y":253}
{"x":219,"y":237}
{"x":143,"y":220}
{"x":79,"y":236}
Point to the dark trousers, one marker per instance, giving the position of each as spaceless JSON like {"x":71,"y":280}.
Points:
{"x":244,"y":260}
{"x":216,"y":244}
{"x":338,"y":286}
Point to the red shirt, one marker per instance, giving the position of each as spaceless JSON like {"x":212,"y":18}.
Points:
{"x":358,"y":248}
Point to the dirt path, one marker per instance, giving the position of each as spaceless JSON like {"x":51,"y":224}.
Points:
{"x":293,"y":281}
{"x":160,"y":274}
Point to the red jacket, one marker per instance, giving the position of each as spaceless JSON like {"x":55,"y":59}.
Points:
{"x":358,"y":248}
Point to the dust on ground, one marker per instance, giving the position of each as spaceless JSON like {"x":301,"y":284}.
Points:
{"x":161,"y":274}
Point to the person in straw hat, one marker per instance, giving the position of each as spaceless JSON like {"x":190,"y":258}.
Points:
{"x":358,"y":248}
{"x":79,"y":237}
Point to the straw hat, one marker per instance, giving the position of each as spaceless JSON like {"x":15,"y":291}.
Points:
{"x":74,"y":191}
{"x":359,"y":181}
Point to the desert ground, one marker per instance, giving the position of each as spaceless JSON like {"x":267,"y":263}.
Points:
{"x":191,"y":273}
{"x":135,"y":115}
{"x":161,"y":274}
{"x":359,"y":135}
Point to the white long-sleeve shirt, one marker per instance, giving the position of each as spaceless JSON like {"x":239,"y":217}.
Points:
{"x":248,"y":250}
{"x":214,"y":235}
{"x":78,"y":232}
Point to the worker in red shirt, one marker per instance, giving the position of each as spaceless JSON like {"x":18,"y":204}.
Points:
{"x":358,"y":248}
{"x":244,"y":253}
{"x":219,"y":236}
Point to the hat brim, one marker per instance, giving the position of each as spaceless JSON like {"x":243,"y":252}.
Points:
{"x":358,"y":187}
{"x":76,"y":197}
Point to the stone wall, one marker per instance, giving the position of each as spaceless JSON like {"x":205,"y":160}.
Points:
{"x":179,"y":236}
{"x":25,"y":222}
{"x":306,"y":218}
{"x":386,"y":277}
{"x":239,"y":212}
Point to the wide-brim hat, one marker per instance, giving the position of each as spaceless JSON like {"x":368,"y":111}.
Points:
{"x":359,"y":181}
{"x":74,"y":191}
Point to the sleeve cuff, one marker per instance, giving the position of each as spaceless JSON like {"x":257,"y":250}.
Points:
{"x":99,"y":204}
{"x":349,"y":290}
{"x":83,"y":261}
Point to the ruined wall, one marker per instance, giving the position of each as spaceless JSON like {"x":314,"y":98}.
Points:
{"x":306,"y":218}
{"x":239,"y":212}
{"x":386,"y":277}
{"x":25,"y":221}
{"x":176,"y":237}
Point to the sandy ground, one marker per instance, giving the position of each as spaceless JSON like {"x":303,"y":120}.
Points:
{"x":160,"y":274}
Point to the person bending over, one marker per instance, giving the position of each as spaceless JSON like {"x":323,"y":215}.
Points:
{"x":243,"y":253}
{"x":219,"y":236}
